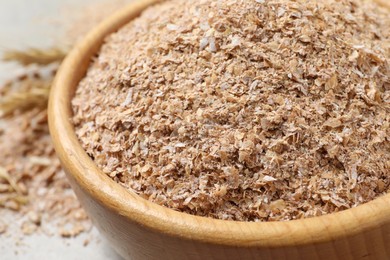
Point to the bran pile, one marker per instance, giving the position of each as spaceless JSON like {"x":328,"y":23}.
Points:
{"x":255,"y":110}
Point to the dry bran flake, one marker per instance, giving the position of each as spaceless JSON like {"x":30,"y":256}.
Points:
{"x":248,"y":110}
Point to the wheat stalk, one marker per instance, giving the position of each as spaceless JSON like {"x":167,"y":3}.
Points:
{"x":35,"y":96}
{"x":5,"y":175}
{"x":35,"y":56}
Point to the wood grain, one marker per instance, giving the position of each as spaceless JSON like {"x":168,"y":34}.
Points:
{"x":139,"y":229}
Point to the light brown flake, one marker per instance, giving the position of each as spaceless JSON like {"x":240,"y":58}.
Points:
{"x":244,"y":110}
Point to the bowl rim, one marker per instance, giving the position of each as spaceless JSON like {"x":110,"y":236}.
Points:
{"x":118,"y":199}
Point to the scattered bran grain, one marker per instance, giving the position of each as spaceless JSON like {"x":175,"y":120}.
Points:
{"x":32,"y":184}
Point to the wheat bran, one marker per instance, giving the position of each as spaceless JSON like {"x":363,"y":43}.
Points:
{"x":244,"y":110}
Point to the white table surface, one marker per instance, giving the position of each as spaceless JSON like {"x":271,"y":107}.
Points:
{"x":36,"y":23}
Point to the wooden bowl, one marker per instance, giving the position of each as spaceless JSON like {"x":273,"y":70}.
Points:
{"x":140,"y":229}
